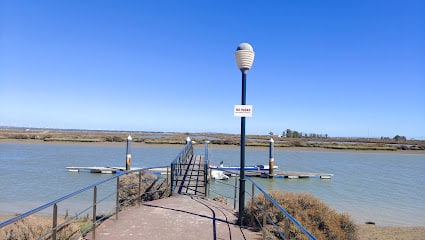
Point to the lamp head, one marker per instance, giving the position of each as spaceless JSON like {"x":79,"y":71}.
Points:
{"x":244,"y":56}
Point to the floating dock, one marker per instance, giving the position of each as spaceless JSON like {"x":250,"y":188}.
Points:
{"x":250,"y":173}
{"x":105,"y":170}
{"x":289,"y":175}
{"x":112,"y":170}
{"x":282,"y":174}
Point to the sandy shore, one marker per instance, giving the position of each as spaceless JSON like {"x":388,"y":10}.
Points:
{"x":367,"y":232}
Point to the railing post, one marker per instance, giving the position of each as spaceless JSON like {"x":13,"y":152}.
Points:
{"x":286,"y":229}
{"x":117,"y":203}
{"x":264,"y":218}
{"x":252,"y":201}
{"x":252,"y":192}
{"x":140,"y":189}
{"x":55,"y":221}
{"x":94,"y":212}
{"x":209,"y":184}
{"x":172,"y":178}
{"x":236,"y":192}
{"x":168,"y":177}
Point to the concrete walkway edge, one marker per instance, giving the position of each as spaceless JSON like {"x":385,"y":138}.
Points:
{"x":176,"y":217}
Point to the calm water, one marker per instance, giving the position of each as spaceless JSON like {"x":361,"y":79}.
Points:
{"x":388,"y":188}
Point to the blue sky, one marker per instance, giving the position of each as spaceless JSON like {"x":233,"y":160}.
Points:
{"x":342,"y":68}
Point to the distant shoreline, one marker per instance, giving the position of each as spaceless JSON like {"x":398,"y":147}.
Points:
{"x":211,"y":146}
{"x":115,"y":138}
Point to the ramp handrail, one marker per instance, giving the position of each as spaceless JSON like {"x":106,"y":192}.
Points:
{"x":266,"y":218}
{"x":95,"y":218}
{"x":177,"y":165}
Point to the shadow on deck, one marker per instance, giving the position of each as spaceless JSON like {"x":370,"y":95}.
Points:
{"x":176,"y":217}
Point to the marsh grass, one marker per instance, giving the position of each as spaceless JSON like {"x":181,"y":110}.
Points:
{"x":33,"y":227}
{"x":152,"y":188}
{"x":82,"y":136}
{"x":320,"y":220}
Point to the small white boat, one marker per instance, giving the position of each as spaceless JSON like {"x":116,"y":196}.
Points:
{"x":219,"y":175}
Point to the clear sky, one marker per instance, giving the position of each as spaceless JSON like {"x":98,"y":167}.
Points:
{"x":342,"y":68}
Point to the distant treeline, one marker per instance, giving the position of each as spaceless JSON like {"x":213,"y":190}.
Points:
{"x":288,"y":133}
{"x":297,"y":134}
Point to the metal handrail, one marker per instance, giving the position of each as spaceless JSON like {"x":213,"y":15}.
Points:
{"x":178,"y":162}
{"x":274,"y":202}
{"x":55,"y":203}
{"x":50,"y":204}
{"x":281,"y":209}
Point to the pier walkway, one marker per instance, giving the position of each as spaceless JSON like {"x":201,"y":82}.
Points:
{"x":177,"y":217}
{"x":187,"y":214}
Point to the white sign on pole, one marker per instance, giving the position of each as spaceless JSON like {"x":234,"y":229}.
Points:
{"x":242,"y":111}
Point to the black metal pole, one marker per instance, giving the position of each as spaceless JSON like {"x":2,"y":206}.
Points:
{"x":242,"y":167}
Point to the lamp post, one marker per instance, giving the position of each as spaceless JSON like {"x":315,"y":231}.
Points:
{"x":244,"y":58}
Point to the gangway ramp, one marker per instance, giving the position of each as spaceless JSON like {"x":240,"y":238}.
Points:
{"x":193,"y":177}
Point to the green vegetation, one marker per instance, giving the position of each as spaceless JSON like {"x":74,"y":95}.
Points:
{"x":320,"y":220}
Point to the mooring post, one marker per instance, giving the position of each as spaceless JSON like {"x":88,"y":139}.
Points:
{"x":128,"y":154}
{"x":271,"y":158}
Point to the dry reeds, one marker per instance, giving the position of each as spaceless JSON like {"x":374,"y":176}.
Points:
{"x":320,"y":220}
{"x":150,"y":189}
{"x":33,"y":227}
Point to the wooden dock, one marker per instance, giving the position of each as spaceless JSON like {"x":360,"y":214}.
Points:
{"x":105,"y":170}
{"x":112,"y":170}
{"x":289,"y":175}
{"x":195,"y":172}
